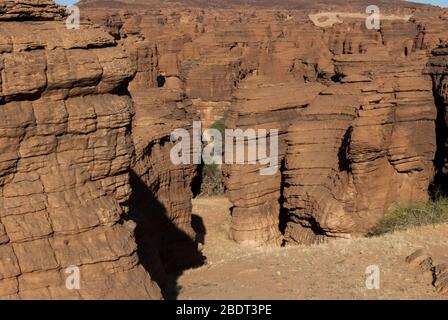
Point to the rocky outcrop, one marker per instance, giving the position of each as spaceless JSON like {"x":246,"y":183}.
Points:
{"x":256,"y":215}
{"x":433,"y":263}
{"x":348,"y":150}
{"x":30,"y":10}
{"x":65,"y":156}
{"x":438,"y":68}
{"x":359,"y":148}
{"x":86,"y":122}
{"x":161,"y":201}
{"x":214,"y":71}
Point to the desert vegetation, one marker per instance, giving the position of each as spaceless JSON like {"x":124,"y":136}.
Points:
{"x":211,"y":174}
{"x":418,"y":214}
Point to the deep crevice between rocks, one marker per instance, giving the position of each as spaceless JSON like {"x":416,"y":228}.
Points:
{"x":283,"y":217}
{"x":164,"y":250}
{"x":440,"y":183}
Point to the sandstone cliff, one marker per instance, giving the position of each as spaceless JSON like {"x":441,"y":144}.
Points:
{"x":65,"y":157}
{"x":438,"y":68}
{"x":354,"y":107}
{"x":347,"y":164}
{"x":87,"y":115}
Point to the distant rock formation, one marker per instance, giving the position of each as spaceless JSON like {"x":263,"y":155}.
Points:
{"x":86,"y":118}
{"x":354,"y":107}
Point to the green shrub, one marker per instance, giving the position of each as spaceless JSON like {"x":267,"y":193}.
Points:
{"x":211,"y":170}
{"x":212,"y":179}
{"x":414,"y":215}
{"x":220,"y":126}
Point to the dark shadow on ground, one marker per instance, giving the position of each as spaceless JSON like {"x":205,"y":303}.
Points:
{"x":164,"y":250}
{"x":198,"y":226}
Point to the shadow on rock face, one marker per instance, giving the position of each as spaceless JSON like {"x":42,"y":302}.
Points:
{"x":440,"y":184}
{"x":164,"y":249}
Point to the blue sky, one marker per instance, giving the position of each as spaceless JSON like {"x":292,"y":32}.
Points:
{"x":69,"y":2}
{"x":442,"y":3}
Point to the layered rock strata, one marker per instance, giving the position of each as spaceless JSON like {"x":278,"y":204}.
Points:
{"x":435,"y":265}
{"x":162,"y":190}
{"x":86,"y":179}
{"x":346,"y":154}
{"x":65,"y":157}
{"x":256,"y":215}
{"x":359,"y":148}
{"x":438,"y":68}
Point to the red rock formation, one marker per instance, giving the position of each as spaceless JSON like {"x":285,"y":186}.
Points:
{"x":30,"y":9}
{"x":85,"y":130}
{"x":359,"y":148}
{"x":438,"y":68}
{"x":65,"y":154}
{"x":256,"y":197}
{"x":162,"y":191}
{"x":365,"y":142}
{"x":434,"y":263}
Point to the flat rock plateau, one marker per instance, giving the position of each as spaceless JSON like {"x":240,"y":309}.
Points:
{"x":86,"y":122}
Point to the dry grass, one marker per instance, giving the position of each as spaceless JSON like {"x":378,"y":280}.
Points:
{"x":414,"y":215}
{"x":212,"y":180}
{"x":334,"y":270}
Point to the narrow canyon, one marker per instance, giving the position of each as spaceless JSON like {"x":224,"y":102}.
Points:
{"x":87,"y":116}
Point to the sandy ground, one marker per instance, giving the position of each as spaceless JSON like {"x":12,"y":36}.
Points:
{"x":332,"y":271}
{"x":328,"y":19}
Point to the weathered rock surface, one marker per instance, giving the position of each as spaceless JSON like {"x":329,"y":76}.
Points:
{"x":348,"y":151}
{"x":86,"y":119}
{"x":161,"y":201}
{"x":438,"y":68}
{"x":30,"y":10}
{"x":433,"y":262}
{"x":358,"y":148}
{"x":256,"y":197}
{"x":65,"y":157}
